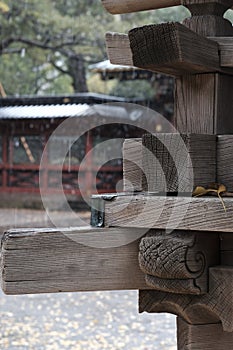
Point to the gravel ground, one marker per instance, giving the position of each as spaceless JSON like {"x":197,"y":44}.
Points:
{"x":82,"y":321}
{"x":77,"y":321}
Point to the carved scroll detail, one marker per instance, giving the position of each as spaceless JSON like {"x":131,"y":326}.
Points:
{"x":178,"y":262}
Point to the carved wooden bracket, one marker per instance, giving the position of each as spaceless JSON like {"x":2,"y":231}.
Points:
{"x":178,"y":262}
{"x":213,"y":307}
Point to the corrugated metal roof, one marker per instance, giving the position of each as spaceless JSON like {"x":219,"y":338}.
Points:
{"x":43,"y":111}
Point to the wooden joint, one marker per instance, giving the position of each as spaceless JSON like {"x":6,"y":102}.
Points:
{"x":178,"y":262}
{"x":215,"y":306}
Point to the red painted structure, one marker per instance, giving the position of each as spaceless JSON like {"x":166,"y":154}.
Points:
{"x":25,"y":127}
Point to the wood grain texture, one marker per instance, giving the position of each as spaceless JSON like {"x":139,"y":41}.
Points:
{"x":223,"y":123}
{"x":224,"y":161}
{"x":207,"y":17}
{"x":178,"y":262}
{"x":226,"y":249}
{"x":178,"y":162}
{"x":213,"y":307}
{"x":204,"y":103}
{"x":118,"y":49}
{"x":226,"y":50}
{"x":49,"y":261}
{"x":126,"y":6}
{"x":199,"y":214}
{"x":173,"y":49}
{"x":202,"y":337}
{"x":132,"y":164}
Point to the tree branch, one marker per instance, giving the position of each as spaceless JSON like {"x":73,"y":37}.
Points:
{"x":58,"y":68}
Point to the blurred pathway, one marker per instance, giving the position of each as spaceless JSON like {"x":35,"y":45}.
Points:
{"x":82,"y":321}
{"x":77,"y":321}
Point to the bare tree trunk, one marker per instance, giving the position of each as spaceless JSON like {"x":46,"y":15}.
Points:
{"x":77,"y":70}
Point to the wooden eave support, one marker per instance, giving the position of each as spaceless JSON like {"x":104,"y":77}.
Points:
{"x":70,"y":260}
{"x":126,"y":6}
{"x":183,"y":213}
{"x":170,"y":48}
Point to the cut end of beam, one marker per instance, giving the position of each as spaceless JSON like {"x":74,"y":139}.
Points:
{"x":173,"y":49}
{"x":118,"y":49}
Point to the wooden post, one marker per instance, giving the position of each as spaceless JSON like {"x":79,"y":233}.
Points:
{"x":203,"y":105}
{"x":204,"y":102}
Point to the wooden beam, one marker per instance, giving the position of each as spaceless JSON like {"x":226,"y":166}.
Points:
{"x":151,"y":211}
{"x":126,"y":6}
{"x":53,"y":260}
{"x":173,"y":49}
{"x":118,"y":49}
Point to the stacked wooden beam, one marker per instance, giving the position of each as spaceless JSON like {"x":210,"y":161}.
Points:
{"x":178,"y":264}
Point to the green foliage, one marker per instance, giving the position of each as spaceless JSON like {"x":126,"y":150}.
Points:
{"x":133,"y":88}
{"x":46,"y":45}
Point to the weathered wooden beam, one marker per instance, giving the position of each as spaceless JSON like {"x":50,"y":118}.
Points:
{"x":118,"y":49}
{"x":151,"y":211}
{"x":173,"y":49}
{"x":52,"y":260}
{"x":204,"y":336}
{"x":126,"y":6}
{"x":178,"y":162}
